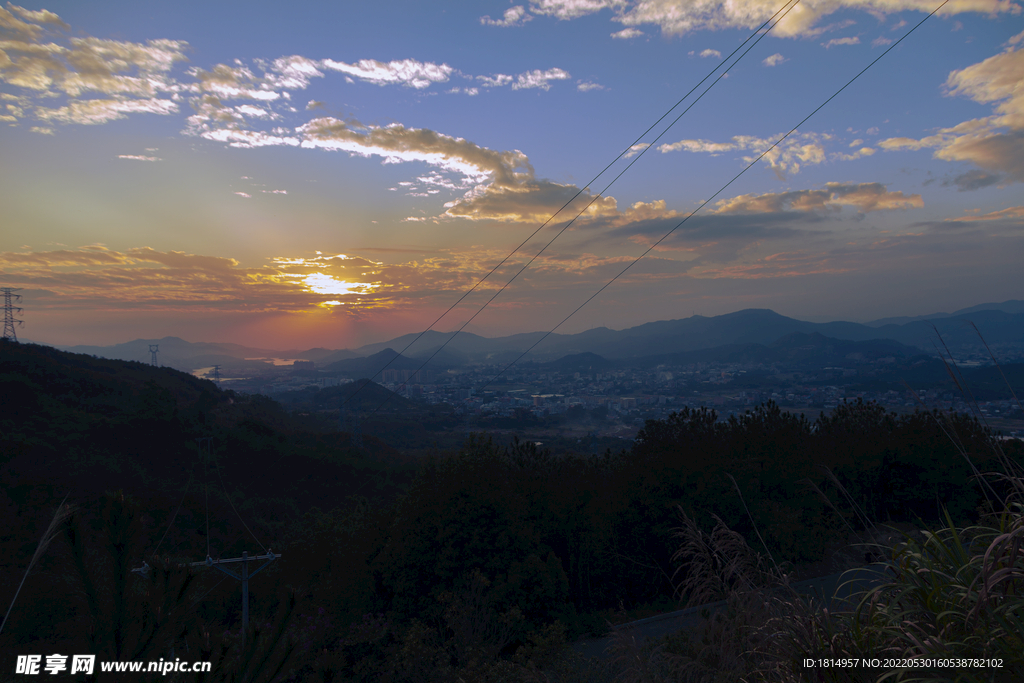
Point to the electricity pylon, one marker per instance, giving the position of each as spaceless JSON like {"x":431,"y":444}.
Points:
{"x":10,"y":322}
{"x":153,"y":348}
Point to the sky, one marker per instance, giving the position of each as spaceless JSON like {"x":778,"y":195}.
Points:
{"x":334,"y":174}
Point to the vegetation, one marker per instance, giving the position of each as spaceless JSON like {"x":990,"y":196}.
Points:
{"x":481,"y":563}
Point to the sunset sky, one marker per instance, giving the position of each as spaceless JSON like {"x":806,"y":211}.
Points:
{"x":332,"y":174}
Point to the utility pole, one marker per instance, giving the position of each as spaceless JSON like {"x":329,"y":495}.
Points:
{"x":10,"y":322}
{"x":210,"y":562}
{"x":244,"y":578}
{"x":153,"y":348}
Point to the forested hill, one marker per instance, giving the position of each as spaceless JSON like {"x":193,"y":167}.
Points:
{"x":481,"y":560}
{"x":87,"y":424}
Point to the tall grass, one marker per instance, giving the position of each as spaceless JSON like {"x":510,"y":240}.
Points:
{"x":60,"y":518}
{"x":951,"y":593}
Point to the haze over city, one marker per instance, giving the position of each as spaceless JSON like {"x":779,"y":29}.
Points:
{"x":335,"y":175}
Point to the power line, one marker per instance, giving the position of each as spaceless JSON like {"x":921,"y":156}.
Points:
{"x":619,"y":175}
{"x":718,"y":192}
{"x":578,"y":193}
{"x":175,"y":515}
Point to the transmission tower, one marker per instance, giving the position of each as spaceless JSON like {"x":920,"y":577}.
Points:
{"x":10,"y":322}
{"x":216,"y":373}
{"x":153,"y":348}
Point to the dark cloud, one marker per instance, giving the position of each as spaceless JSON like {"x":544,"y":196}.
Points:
{"x":973,"y":180}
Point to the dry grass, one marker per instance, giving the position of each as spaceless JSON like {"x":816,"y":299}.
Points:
{"x":60,"y":518}
{"x":952,"y":592}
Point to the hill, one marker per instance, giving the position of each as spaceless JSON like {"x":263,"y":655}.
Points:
{"x":93,"y":424}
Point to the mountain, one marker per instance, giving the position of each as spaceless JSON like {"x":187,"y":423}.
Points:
{"x":370,"y":366}
{"x":179,"y":354}
{"x":1001,"y":324}
{"x":1011,"y":306}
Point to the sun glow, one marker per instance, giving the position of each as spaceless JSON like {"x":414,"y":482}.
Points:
{"x":325,"y":284}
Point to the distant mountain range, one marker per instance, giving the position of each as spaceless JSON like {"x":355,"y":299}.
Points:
{"x":748,"y":334}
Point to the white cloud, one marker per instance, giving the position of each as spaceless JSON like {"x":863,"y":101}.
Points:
{"x":236,"y":82}
{"x":134,"y":157}
{"x":258,"y":112}
{"x":216,"y":121}
{"x":880,"y":41}
{"x":796,"y":150}
{"x":774,"y":60}
{"x":495,"y":81}
{"x":572,"y":9}
{"x":678,"y":17}
{"x":293,"y":72}
{"x":514,"y":16}
{"x":994,"y":143}
{"x":636,"y":149}
{"x":539,"y":79}
{"x":627,"y":33}
{"x":858,"y":154}
{"x":711,"y":53}
{"x":854,"y":40}
{"x":586,"y":86}
{"x":407,"y":72}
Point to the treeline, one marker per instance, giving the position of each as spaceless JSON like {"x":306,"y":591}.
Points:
{"x":473,"y":560}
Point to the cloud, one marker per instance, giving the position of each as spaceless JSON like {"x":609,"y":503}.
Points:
{"x":37,"y":56}
{"x":144,"y":278}
{"x":1014,"y":213}
{"x":865,"y":197}
{"x":407,"y":72}
{"x":679,"y":17}
{"x":573,"y":9}
{"x":842,"y":41}
{"x":62,"y":258}
{"x":796,"y":150}
{"x":514,"y":16}
{"x":627,"y":33}
{"x":216,"y":121}
{"x":711,"y":53}
{"x":636,"y":149}
{"x":774,"y":60}
{"x":994,"y":143}
{"x":539,"y":79}
{"x":859,"y":154}
{"x":996,"y":79}
{"x":880,"y":41}
{"x":231,"y":83}
{"x":293,"y":72}
{"x":91,"y":112}
{"x":396,"y":143}
{"x":587,"y":86}
{"x":974,"y":180}
{"x":495,"y":81}
{"x":134,"y":157}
